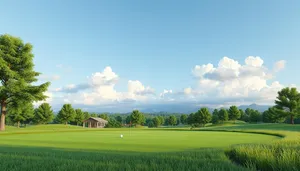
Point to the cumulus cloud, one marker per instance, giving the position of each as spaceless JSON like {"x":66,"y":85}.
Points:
{"x":232,"y":82}
{"x":136,"y":87}
{"x":228,"y":82}
{"x":49,"y":99}
{"x":100,"y":89}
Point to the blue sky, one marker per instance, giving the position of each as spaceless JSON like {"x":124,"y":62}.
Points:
{"x":158,"y":43}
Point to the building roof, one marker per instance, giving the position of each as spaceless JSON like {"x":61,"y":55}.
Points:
{"x":98,"y":119}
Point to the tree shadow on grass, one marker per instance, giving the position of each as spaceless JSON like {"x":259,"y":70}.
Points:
{"x":14,"y":158}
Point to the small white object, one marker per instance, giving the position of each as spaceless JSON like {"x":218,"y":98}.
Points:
{"x":121,"y":136}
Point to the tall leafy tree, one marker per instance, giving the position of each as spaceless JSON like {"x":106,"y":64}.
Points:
{"x":255,"y":116}
{"x":21,"y":114}
{"x":183,"y":119}
{"x":272,"y":116}
{"x":172,"y":120}
{"x":215,"y":116}
{"x":234,"y":113}
{"x":223,"y":115}
{"x":86,"y":115}
{"x":43,"y":114}
{"x":66,"y":114}
{"x":17,"y":75}
{"x":162,"y":119}
{"x":288,"y":103}
{"x":104,"y":116}
{"x":137,"y":117}
{"x":79,"y":116}
{"x":191,"y":119}
{"x":202,"y":116}
{"x":156,"y":121}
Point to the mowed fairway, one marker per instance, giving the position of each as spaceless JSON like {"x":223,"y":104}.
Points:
{"x":138,"y":141}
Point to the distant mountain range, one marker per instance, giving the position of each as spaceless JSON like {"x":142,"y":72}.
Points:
{"x":186,"y":108}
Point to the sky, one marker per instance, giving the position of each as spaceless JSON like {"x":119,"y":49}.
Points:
{"x":124,"y":54}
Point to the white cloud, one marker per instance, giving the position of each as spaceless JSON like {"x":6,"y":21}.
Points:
{"x":279,"y":65}
{"x":100,"y":89}
{"x":232,"y":82}
{"x":229,"y":82}
{"x":49,"y":99}
{"x":136,"y":87}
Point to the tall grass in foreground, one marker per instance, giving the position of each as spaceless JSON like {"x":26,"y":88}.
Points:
{"x":40,"y":159}
{"x":281,"y":156}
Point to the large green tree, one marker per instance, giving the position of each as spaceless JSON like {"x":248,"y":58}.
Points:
{"x":43,"y":114}
{"x":272,"y":116}
{"x":223,"y":115}
{"x":79,"y":116}
{"x":21,"y":114}
{"x":288,"y":103}
{"x":66,"y":114}
{"x":234,"y":113}
{"x":202,"y":117}
{"x":137,"y":117}
{"x":17,"y":75}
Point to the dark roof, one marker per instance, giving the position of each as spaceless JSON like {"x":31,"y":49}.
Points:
{"x":98,"y":119}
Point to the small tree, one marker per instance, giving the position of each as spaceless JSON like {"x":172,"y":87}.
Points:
{"x":223,"y":115}
{"x":43,"y":114}
{"x":104,"y":116}
{"x":202,"y":116}
{"x":255,"y":116}
{"x":215,"y":117}
{"x":79,"y":116}
{"x":66,"y":114}
{"x":191,"y":119}
{"x":112,"y":123}
{"x":162,"y":119}
{"x":86,"y":115}
{"x":156,"y":121}
{"x":288,"y":103}
{"x":183,"y":119}
{"x":119,"y":119}
{"x":137,"y":117}
{"x":172,"y":120}
{"x":21,"y":114}
{"x":234,"y":113}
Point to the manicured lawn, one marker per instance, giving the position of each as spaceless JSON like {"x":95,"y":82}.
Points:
{"x":61,"y":148}
{"x":139,"y":140}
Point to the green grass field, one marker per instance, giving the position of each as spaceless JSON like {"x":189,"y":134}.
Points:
{"x":57,"y":147}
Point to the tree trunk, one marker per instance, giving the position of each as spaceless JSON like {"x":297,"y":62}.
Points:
{"x":18,"y":124}
{"x":67,"y":123}
{"x":3,"y":114}
{"x":292,"y":119}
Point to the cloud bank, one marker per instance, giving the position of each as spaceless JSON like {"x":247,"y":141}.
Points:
{"x":227,"y":83}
